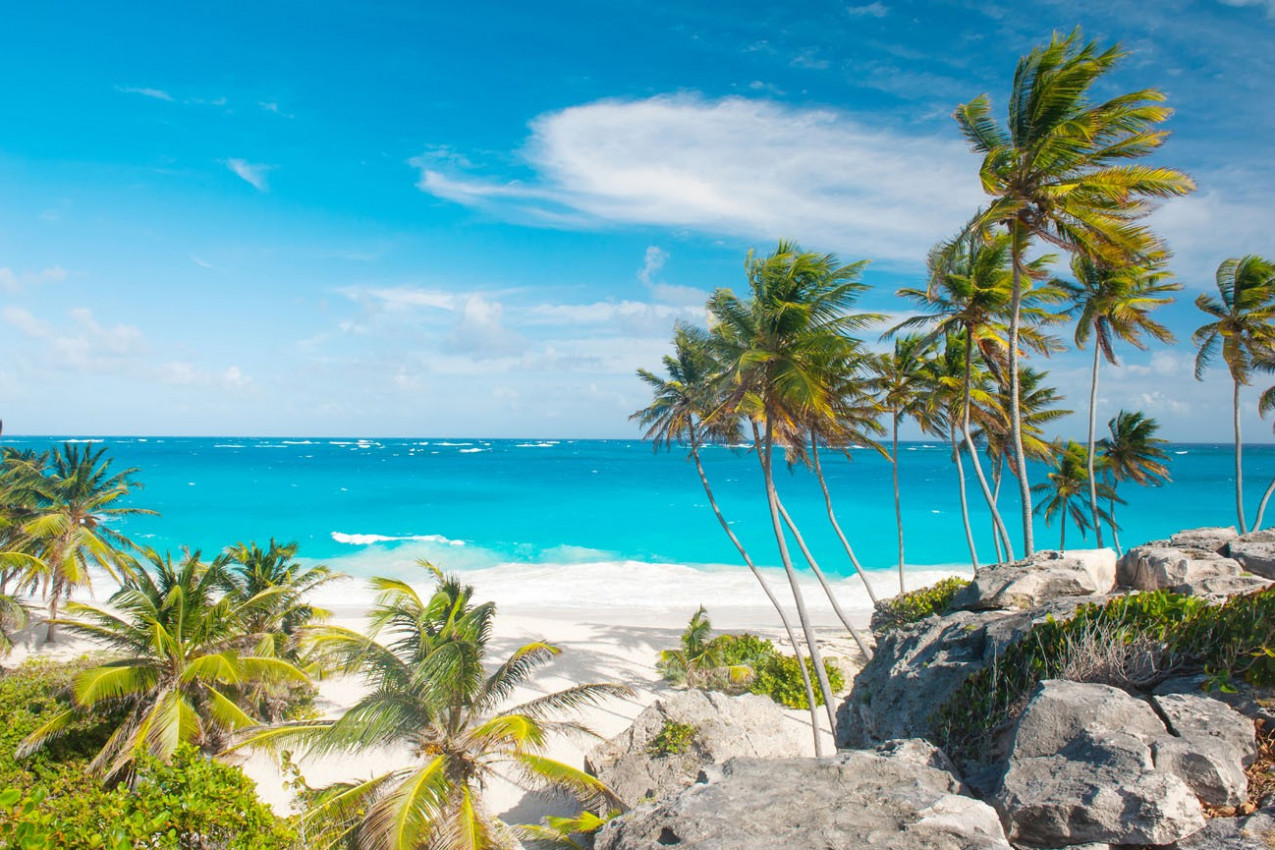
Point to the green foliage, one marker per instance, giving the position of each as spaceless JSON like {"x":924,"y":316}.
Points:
{"x":51,"y":801}
{"x":559,"y":833}
{"x":1231,"y":642}
{"x":673,"y":739}
{"x":915,"y":605}
{"x":779,"y":678}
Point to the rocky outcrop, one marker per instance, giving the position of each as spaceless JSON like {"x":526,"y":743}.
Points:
{"x":1211,"y":539}
{"x":1046,"y":576}
{"x":1255,"y":832}
{"x":902,"y":796}
{"x":1162,"y":567}
{"x":1255,"y":551}
{"x":725,"y":727}
{"x":1091,"y":763}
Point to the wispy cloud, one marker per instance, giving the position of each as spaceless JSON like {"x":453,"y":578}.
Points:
{"x":652,"y":262}
{"x":157,"y":94}
{"x":871,"y":10}
{"x":253,"y":173}
{"x":271,"y":106}
{"x":86,"y":346}
{"x":12,"y":282}
{"x":750,"y":168}
{"x":1268,"y":5}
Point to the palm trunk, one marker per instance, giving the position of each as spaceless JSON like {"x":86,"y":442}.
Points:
{"x":898,"y":512}
{"x":1062,"y":538}
{"x":997,"y":522}
{"x":1115,"y":534}
{"x":1093,"y":424}
{"x":965,"y":510}
{"x":765,"y":586}
{"x":772,"y":500}
{"x":1007,"y":554}
{"x":1239,"y":466}
{"x":1015,"y":413}
{"x":823,"y":582}
{"x":50,"y":636}
{"x":1261,"y":507}
{"x":836,"y":526}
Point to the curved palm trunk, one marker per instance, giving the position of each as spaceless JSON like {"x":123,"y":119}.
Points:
{"x":765,"y":586}
{"x":1006,"y":555}
{"x":836,"y":526}
{"x":772,"y":501}
{"x":1261,"y":507}
{"x":898,"y":511}
{"x":1239,"y":465}
{"x":1062,"y":539}
{"x":1093,"y":424}
{"x":1111,"y":516}
{"x":823,"y":582}
{"x":965,"y":509}
{"x":1015,"y":412}
{"x":997,"y":523}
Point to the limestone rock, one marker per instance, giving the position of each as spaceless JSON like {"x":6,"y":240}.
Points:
{"x":1213,"y":745}
{"x":901,"y":796}
{"x":1221,"y":588}
{"x":725,"y":727}
{"x":1256,"y":556}
{"x":1211,"y":539}
{"x":1048,"y":575}
{"x":1158,"y":568}
{"x":1255,"y":832}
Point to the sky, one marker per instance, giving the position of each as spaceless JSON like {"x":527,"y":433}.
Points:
{"x":479,"y":219}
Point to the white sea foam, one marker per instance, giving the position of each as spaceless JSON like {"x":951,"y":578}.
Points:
{"x":228,"y":445}
{"x":472,"y":451}
{"x":370,"y":539}
{"x":452,"y":444}
{"x":89,"y":440}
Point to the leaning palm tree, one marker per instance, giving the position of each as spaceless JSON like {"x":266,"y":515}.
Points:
{"x":429,"y":691}
{"x":1243,"y":327}
{"x":1059,"y":171}
{"x":769,"y":347}
{"x":1114,"y":303}
{"x":179,"y":668}
{"x":1133,"y":453}
{"x":683,"y":409}
{"x":1062,"y":491}
{"x":69,"y":529}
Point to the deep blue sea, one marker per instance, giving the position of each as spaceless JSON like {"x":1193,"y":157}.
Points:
{"x":362,"y":505}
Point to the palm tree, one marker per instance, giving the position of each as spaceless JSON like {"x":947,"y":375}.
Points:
{"x":1115,"y":303}
{"x":897,"y":381}
{"x":682,"y":409}
{"x":428,"y":690}
{"x":1062,"y":491}
{"x":250,"y":571}
{"x":1243,"y":327}
{"x":1058,"y":171}
{"x":1133,"y":453}
{"x":70,"y":527}
{"x":770,"y":347}
{"x":13,"y":618}
{"x":176,"y":679}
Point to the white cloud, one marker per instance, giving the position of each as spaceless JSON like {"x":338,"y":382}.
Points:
{"x":652,"y":262}
{"x":12,"y":283}
{"x":274,"y":107}
{"x":749,"y":168}
{"x":1269,"y":5}
{"x":157,"y":94}
{"x":874,"y":10}
{"x":203,"y":264}
{"x":253,"y":173}
{"x":480,"y":332}
{"x":1205,"y":228}
{"x":86,"y":346}
{"x":233,"y":376}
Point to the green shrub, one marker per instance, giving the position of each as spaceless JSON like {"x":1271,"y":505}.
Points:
{"x":779,"y":678}
{"x":1234,"y":641}
{"x":673,"y":739}
{"x":915,"y":605}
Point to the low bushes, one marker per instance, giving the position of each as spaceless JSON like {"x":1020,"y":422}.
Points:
{"x":915,"y":605}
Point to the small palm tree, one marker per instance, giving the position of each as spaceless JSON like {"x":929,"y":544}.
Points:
{"x":176,"y":681}
{"x":1132,"y":453}
{"x":1057,"y":171}
{"x":430,"y":692}
{"x":1243,"y":327}
{"x":13,"y":618}
{"x":1114,"y":304}
{"x":1063,"y":490}
{"x":250,"y":571}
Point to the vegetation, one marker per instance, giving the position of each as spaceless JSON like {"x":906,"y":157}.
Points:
{"x":916,"y":605}
{"x":673,"y":739}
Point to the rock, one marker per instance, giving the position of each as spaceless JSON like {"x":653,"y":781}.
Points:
{"x":1081,"y":770}
{"x":1210,"y":539}
{"x":901,"y":796}
{"x":725,"y":727}
{"x":1213,"y":745}
{"x":1255,"y":832}
{"x":1195,"y":717}
{"x":1221,"y":588}
{"x":1048,"y":575}
{"x":1158,"y":568}
{"x":1256,"y":556}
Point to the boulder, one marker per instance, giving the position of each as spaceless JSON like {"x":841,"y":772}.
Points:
{"x":725,"y":727}
{"x":901,"y":796}
{"x":1210,"y":539}
{"x":1255,"y":555}
{"x":1255,"y":832}
{"x":1082,"y":769}
{"x":1158,"y":568}
{"x":1221,"y":588}
{"x":1212,"y":745}
{"x":1046,"y":576}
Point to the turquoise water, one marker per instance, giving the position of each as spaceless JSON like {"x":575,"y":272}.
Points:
{"x":470,"y":504}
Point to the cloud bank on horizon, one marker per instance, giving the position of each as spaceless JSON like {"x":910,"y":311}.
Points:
{"x":488,"y":236}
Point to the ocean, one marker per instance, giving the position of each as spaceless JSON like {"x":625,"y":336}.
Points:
{"x":628,"y":520}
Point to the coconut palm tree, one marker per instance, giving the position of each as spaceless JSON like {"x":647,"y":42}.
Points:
{"x":1063,"y":490}
{"x":770,"y":347}
{"x":896,"y":380}
{"x":250,"y":571}
{"x":428,"y":690}
{"x":683,"y":408}
{"x":1059,"y":170}
{"x":1114,"y":303}
{"x":1132,"y":453}
{"x":69,"y":528}
{"x":1243,"y":328}
{"x":180,"y":665}
{"x":13,"y":618}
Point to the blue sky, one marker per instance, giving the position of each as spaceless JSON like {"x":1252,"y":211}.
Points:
{"x":478,"y":219}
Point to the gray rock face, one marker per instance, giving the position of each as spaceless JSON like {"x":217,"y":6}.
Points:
{"x":1082,"y":770}
{"x":1221,"y":588}
{"x":1255,"y":555}
{"x":1159,"y":568}
{"x":1048,"y":575}
{"x":726,"y":727}
{"x":1211,"y":539}
{"x":1212,"y":746}
{"x":1256,"y":832}
{"x":902,"y":796}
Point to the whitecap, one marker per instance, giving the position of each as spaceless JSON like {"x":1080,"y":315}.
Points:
{"x":472,"y":451}
{"x":228,"y":445}
{"x":369,"y":539}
